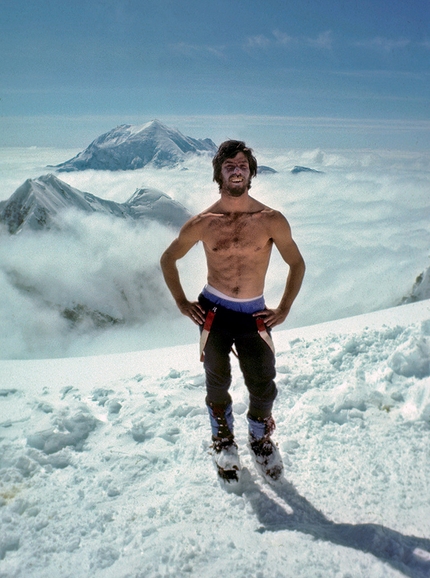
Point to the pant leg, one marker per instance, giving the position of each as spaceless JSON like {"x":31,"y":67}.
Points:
{"x":217,"y":367}
{"x":222,"y":420}
{"x":257,"y":363}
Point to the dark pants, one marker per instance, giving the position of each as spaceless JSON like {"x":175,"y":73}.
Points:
{"x":256,"y":360}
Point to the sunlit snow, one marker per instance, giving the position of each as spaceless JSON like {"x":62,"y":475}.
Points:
{"x":105,"y":468}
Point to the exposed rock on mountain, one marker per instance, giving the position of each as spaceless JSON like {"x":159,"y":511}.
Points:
{"x":129,"y":147}
{"x":36,"y":205}
{"x":420,"y":289}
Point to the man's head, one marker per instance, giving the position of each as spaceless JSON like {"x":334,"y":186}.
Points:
{"x":230,"y":149}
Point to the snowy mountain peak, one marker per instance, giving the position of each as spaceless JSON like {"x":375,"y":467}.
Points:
{"x":156,"y":205}
{"x":299,"y":169}
{"x":37,"y":203}
{"x":130,"y":147}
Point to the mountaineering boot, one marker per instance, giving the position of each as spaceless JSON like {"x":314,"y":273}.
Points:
{"x":225,"y":455}
{"x":264,"y":451}
{"x":226,"y":459}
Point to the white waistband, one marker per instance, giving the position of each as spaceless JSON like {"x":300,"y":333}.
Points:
{"x":217,"y":293}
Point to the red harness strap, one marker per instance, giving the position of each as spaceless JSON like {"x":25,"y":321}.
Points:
{"x":208,"y":324}
{"x":205,"y":332}
{"x":264,"y":333}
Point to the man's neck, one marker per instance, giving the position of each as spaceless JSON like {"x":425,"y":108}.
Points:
{"x":230,"y":204}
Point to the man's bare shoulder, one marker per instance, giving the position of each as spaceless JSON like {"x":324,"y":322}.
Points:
{"x":275,"y":223}
{"x":198,"y":222}
{"x":273,"y":216}
{"x":195,"y":227}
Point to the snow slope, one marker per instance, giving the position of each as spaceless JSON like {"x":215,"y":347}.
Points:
{"x":129,"y":147}
{"x":105,"y":470}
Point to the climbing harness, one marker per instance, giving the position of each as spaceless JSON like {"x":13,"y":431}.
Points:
{"x":205,"y":331}
{"x":264,"y":333}
{"x":261,"y":327}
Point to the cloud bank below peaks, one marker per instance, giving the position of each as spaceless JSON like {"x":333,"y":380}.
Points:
{"x":77,"y":264}
{"x":62,"y":285}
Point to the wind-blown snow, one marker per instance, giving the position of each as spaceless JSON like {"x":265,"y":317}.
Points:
{"x":105,"y":471}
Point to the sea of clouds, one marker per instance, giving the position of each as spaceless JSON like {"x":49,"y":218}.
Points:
{"x":362,"y":225}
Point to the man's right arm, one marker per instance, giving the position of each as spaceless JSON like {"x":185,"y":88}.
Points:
{"x":187,"y":238}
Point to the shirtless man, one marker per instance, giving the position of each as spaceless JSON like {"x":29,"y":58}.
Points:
{"x":238,"y":233}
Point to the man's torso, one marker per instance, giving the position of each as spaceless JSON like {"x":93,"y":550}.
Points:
{"x":238,"y":248}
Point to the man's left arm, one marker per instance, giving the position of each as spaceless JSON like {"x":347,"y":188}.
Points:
{"x":284,"y":242}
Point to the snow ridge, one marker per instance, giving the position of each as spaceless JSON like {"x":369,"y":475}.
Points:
{"x":129,"y":147}
{"x":37,"y":203}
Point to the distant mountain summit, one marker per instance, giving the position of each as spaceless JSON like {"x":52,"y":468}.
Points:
{"x":129,"y":147}
{"x":263,"y":170}
{"x":36,"y":205}
{"x":298,"y":169}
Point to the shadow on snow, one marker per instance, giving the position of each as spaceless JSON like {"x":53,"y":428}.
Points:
{"x":408,"y":554}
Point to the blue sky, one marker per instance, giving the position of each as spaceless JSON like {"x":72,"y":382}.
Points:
{"x":315,"y":68}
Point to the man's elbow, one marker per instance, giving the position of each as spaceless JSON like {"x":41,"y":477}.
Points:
{"x":303,"y":265}
{"x":297,"y":270}
{"x":165,"y":260}
{"x":299,"y":265}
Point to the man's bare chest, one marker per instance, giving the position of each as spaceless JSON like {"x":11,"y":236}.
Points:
{"x":229,"y":235}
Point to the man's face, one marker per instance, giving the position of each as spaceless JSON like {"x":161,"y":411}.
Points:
{"x":235,"y":175}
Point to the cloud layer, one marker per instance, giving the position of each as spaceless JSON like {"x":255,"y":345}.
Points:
{"x":362,"y":227}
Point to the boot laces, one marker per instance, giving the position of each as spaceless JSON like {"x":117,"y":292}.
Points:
{"x":220,"y":444}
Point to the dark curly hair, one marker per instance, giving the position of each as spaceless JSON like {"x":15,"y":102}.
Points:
{"x":228,"y":150}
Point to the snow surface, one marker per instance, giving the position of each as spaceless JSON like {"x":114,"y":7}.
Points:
{"x":105,"y":468}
